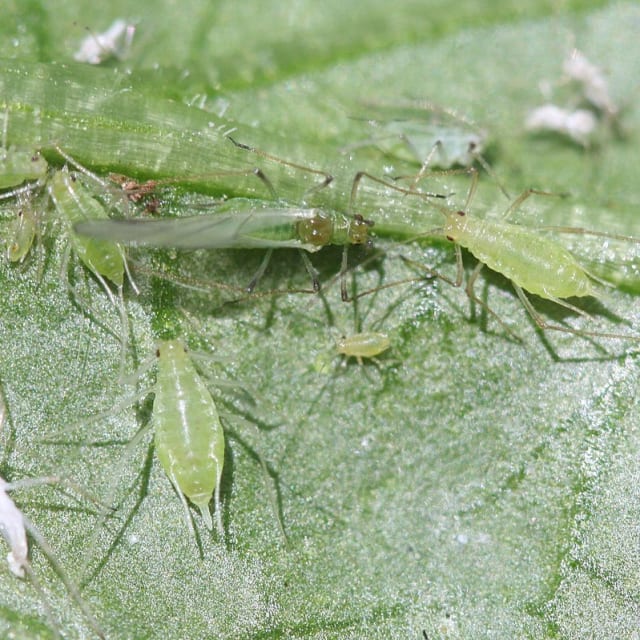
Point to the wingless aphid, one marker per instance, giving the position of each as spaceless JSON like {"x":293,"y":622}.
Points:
{"x":366,"y":344}
{"x":532,"y":261}
{"x":425,"y":133}
{"x":103,"y":258}
{"x":19,"y":166}
{"x":189,"y":438}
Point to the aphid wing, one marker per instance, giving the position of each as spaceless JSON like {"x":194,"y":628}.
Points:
{"x":241,"y":230}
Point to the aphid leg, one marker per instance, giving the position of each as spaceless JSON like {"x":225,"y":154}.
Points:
{"x":311,"y":270}
{"x":327,"y":178}
{"x":74,"y":163}
{"x":270,"y":482}
{"x":355,"y":185}
{"x":469,"y":290}
{"x":426,"y":164}
{"x":260,"y":272}
{"x":517,"y":203}
{"x":544,"y":325}
{"x":68,"y":583}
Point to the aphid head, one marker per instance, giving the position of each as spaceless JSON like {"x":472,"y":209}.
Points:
{"x":359,"y":230}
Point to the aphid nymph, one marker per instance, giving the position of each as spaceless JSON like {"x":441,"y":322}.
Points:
{"x":189,"y":438}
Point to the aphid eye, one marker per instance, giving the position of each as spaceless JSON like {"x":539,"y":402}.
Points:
{"x":450,"y":239}
{"x":35,"y":158}
{"x":72,"y":177}
{"x":157,"y":353}
{"x":461,"y":213}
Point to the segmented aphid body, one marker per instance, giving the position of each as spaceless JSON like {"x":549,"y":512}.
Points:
{"x":189,"y":438}
{"x":532,"y":261}
{"x":20,"y":238}
{"x":74,"y":203}
{"x":367,"y":344}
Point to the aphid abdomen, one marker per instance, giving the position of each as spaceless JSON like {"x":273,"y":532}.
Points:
{"x":74,"y":203}
{"x":189,"y":438}
{"x":534,"y":262}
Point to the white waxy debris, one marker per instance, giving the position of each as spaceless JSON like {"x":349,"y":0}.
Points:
{"x":114,"y":42}
{"x":578,"y":125}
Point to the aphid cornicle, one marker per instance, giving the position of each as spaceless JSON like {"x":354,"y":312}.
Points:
{"x":189,"y":438}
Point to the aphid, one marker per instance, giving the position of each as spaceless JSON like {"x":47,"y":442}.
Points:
{"x":104,"y":259}
{"x":24,"y":229}
{"x":579,"y":125}
{"x":532,"y":261}
{"x":367,"y":344}
{"x":74,"y":203}
{"x":18,"y":165}
{"x":416,"y":131}
{"x":115,"y":42}
{"x":14,"y":526}
{"x":189,"y":438}
{"x":240,"y":224}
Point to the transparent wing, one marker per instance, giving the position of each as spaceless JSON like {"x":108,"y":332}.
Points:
{"x":267,"y":228}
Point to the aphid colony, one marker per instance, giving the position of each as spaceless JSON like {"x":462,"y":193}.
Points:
{"x":188,"y":431}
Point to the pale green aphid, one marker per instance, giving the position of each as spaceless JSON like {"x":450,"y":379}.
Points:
{"x":74,"y":203}
{"x":366,"y":344}
{"x":18,"y":166}
{"x":417,"y":130}
{"x":532,"y":261}
{"x":189,"y":438}
{"x":22,"y":234}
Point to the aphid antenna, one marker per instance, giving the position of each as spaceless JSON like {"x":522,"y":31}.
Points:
{"x":327,"y":178}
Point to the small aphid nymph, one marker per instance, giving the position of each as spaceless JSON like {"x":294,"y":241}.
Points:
{"x":367,"y":344}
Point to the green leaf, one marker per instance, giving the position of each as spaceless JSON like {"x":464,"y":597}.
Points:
{"x":471,"y":486}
